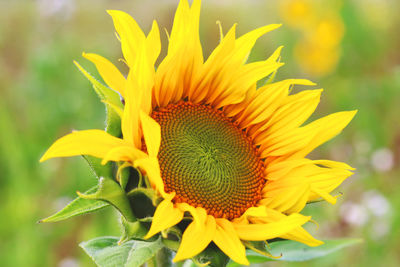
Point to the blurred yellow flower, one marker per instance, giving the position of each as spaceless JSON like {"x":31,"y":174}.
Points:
{"x":318,"y":50}
{"x":298,"y":13}
{"x":211,"y":144}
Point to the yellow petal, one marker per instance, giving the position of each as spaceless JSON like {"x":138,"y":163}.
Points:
{"x":95,"y":143}
{"x":265,"y":102}
{"x":110,"y":74}
{"x":219,"y":75}
{"x":325,"y":195}
{"x":199,"y":214}
{"x":300,"y":235}
{"x":152,"y":169}
{"x":249,"y":75}
{"x":260,"y":211}
{"x":333,"y":164}
{"x":165,"y":216}
{"x":242,"y":78}
{"x":123,"y":153}
{"x":153,"y":43}
{"x":328,"y":178}
{"x":289,"y":142}
{"x":298,"y":109}
{"x":136,"y":50}
{"x":216,"y":69}
{"x":300,"y":181}
{"x":228,"y":241}
{"x":144,"y":73}
{"x":130,"y":34}
{"x":138,"y":96}
{"x":130,"y":119}
{"x":260,"y":232}
{"x":175,"y":73}
{"x":291,"y":199}
{"x":326,"y":128}
{"x":245,"y":43}
{"x":151,"y":133}
{"x":195,"y":240}
{"x":297,"y":234}
{"x":277,"y":170}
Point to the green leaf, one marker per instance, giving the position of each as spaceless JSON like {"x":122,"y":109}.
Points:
{"x":295,"y":251}
{"x":77,"y":207}
{"x":106,"y":252}
{"x":111,"y":192}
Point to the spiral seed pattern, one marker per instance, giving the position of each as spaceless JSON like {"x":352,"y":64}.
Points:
{"x":207,"y":160}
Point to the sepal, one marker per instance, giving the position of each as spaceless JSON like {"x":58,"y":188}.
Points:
{"x":133,"y":230}
{"x":111,"y":192}
{"x":129,"y":177}
{"x":99,"y":169}
{"x":113,"y":120}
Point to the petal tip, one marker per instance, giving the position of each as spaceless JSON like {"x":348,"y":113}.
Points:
{"x":43,"y":158}
{"x":111,"y":11}
{"x":149,"y":235}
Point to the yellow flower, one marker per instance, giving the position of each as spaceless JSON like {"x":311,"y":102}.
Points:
{"x":318,"y":51}
{"x":212,"y":144}
{"x":298,"y":13}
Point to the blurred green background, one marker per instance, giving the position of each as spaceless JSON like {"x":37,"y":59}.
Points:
{"x":350,"y":48}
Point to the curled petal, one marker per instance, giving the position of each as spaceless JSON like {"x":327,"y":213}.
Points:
{"x":165,"y":216}
{"x":151,"y":133}
{"x":228,"y":241}
{"x":196,"y":239}
{"x":152,"y":169}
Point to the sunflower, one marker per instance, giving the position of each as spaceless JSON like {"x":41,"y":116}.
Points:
{"x":212,"y":145}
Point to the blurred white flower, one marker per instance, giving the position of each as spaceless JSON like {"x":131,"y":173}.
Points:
{"x":354,"y":214}
{"x":382,"y":160}
{"x":376,"y":203}
{"x":60,"y":8}
{"x":68,"y":262}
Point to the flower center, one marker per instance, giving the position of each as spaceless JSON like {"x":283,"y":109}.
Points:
{"x":207,"y":160}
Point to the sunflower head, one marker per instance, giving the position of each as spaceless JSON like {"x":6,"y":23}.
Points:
{"x":223,"y":161}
